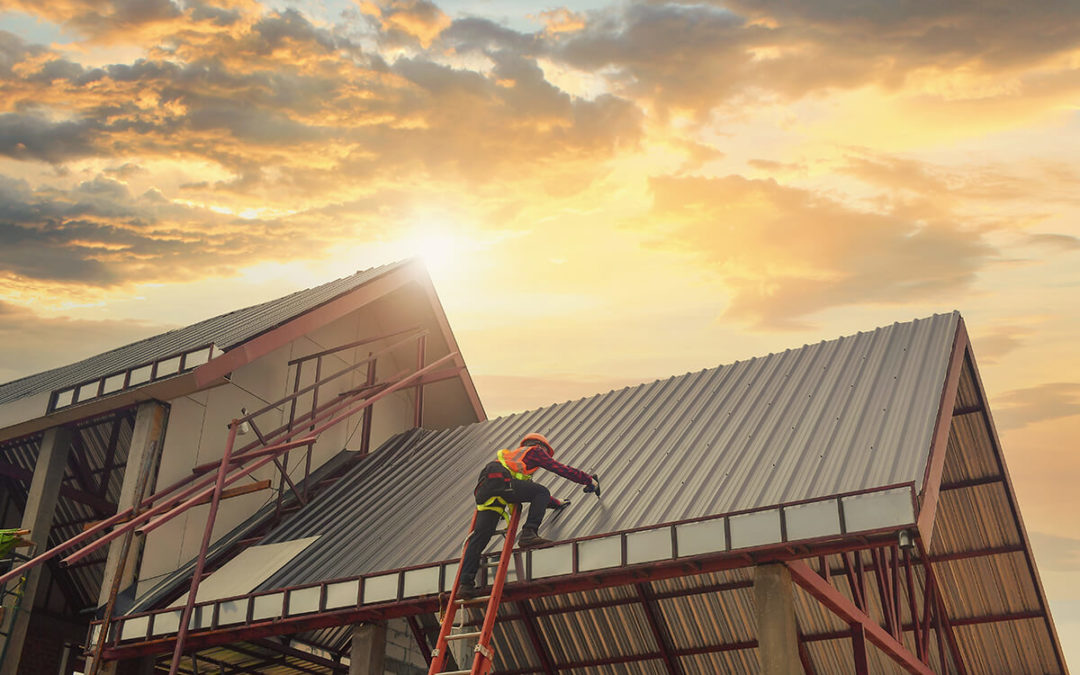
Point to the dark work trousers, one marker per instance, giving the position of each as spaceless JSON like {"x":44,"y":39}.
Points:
{"x":521,"y":492}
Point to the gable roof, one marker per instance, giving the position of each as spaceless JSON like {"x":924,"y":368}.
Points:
{"x":891,"y":425}
{"x":848,"y":415}
{"x":224,"y":331}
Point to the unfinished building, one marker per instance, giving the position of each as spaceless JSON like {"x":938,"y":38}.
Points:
{"x":285,"y":489}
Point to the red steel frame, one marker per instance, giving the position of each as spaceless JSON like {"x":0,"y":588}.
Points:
{"x":893,"y":579}
{"x":201,"y":485}
{"x":817,"y":583}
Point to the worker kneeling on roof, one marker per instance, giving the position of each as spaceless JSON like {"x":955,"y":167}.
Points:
{"x":506,"y":481}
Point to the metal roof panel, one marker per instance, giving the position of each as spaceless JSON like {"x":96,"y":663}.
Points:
{"x":850,"y":414}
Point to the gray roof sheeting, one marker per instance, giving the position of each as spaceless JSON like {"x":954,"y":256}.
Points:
{"x":225,"y":331}
{"x":850,"y":414}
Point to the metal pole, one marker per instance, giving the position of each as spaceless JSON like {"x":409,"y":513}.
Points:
{"x":200,"y":563}
{"x":365,"y":433}
{"x":418,"y":412}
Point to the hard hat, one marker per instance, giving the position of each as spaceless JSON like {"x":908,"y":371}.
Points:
{"x":538,"y":439}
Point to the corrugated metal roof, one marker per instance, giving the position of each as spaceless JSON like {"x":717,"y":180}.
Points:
{"x":225,"y":331}
{"x":849,"y":414}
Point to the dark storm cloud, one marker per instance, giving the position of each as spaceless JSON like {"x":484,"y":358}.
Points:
{"x":30,"y":136}
{"x":102,"y":18}
{"x":696,"y":56}
{"x":99,"y":234}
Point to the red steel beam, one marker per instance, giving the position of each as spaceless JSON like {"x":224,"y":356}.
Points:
{"x":620,"y":576}
{"x":91,"y":500}
{"x":1010,"y":494}
{"x":942,"y":615}
{"x":268,"y":450}
{"x":827,"y":595}
{"x":351,"y":301}
{"x":532,"y":628}
{"x":200,"y":563}
{"x":939,"y":444}
{"x":663,"y":640}
{"x":358,"y":343}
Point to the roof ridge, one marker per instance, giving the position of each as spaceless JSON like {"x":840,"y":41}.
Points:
{"x":371,"y":272}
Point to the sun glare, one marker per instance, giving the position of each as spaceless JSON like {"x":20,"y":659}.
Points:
{"x":438,"y":248}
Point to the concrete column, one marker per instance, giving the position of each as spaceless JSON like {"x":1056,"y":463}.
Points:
{"x":778,"y":637}
{"x":142,"y":458}
{"x":368,"y":649}
{"x":38,"y":517}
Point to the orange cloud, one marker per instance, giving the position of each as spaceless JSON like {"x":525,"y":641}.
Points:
{"x":787,"y":253}
{"x":406,"y":21}
{"x":561,"y":20}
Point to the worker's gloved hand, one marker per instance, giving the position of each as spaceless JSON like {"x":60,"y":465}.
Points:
{"x":591,"y":487}
{"x":558,"y":504}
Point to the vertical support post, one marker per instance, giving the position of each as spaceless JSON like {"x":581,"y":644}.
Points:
{"x":200,"y":564}
{"x":418,"y":413}
{"x":858,"y":650}
{"x":365,"y":434}
{"x":37,"y":517}
{"x":120,"y":566}
{"x":778,"y":638}
{"x":314,"y":409}
{"x":149,"y":425}
{"x":368,"y":650}
{"x":285,"y":457}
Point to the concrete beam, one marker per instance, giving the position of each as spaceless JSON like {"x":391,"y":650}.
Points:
{"x":778,"y":637}
{"x":368,"y":652}
{"x":37,"y":517}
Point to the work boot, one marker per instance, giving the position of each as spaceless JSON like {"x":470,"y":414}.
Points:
{"x":467,"y":591}
{"x":530,"y":539}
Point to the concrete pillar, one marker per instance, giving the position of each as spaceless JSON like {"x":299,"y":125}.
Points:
{"x":38,"y":517}
{"x":778,"y":637}
{"x":141,"y":460}
{"x":368,"y":649}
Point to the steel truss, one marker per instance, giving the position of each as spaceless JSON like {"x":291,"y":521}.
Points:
{"x":882,"y":591}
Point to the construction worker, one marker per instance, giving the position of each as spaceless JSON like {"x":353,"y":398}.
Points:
{"x":508,"y":480}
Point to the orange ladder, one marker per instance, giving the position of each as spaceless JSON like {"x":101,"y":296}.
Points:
{"x":484,"y":652}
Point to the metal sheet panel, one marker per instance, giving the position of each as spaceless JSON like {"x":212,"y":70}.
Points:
{"x":226,"y":331}
{"x":844,"y":415}
{"x":247,"y":570}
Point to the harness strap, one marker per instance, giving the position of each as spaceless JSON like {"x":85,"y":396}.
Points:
{"x":493,"y":504}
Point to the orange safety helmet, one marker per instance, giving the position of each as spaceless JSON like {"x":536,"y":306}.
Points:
{"x":538,"y":439}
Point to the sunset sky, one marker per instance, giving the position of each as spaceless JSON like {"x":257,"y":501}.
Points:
{"x":604,"y":193}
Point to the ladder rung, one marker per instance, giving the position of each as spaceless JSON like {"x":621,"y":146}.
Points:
{"x":455,"y":672}
{"x":473,"y":601}
{"x":462,"y":636}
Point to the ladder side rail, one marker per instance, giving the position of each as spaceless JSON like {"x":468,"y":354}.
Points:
{"x":438,"y":655}
{"x":482,"y":661}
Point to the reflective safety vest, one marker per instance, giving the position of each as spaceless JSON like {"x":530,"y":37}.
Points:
{"x":514,"y":461}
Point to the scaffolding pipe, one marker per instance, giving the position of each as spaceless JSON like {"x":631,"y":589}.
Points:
{"x":137,"y":521}
{"x":200,"y":564}
{"x":125,"y":515}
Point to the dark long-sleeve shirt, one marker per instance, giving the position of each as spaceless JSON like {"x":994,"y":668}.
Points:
{"x":538,"y":457}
